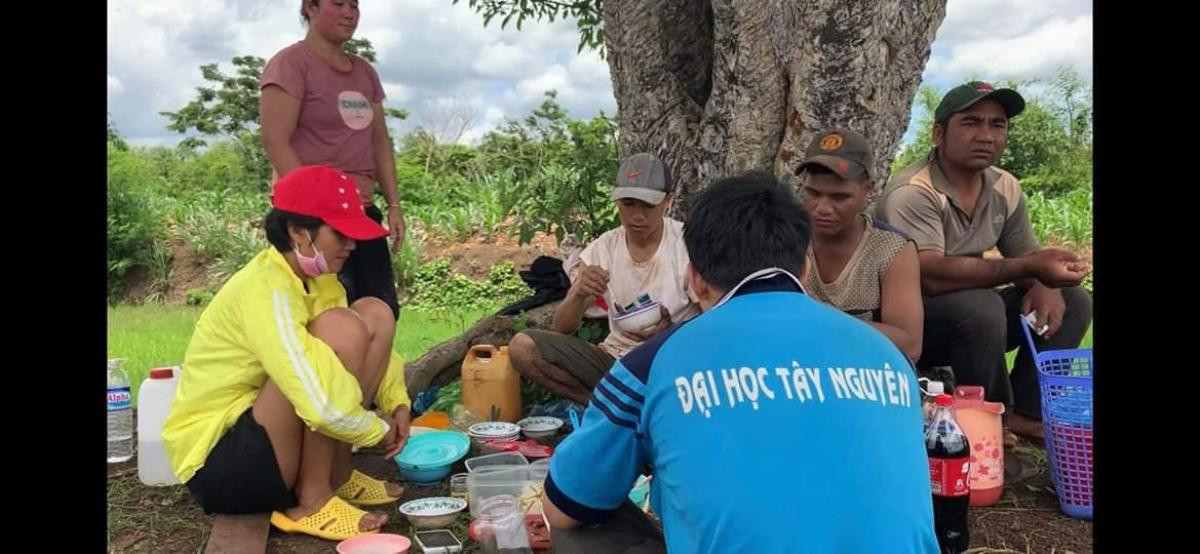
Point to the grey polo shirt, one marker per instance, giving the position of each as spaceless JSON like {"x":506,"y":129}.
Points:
{"x":920,"y":202}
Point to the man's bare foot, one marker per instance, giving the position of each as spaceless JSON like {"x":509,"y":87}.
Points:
{"x":1026,"y":427}
{"x":369,"y":522}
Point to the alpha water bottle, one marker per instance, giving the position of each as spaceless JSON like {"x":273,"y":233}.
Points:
{"x":120,"y":414}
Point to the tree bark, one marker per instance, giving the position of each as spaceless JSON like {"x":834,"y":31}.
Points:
{"x":717,"y":87}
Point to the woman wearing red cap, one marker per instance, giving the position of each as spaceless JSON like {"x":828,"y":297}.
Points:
{"x":283,"y":377}
{"x":323,"y":106}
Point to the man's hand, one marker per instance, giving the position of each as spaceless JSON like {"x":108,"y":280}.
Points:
{"x":395,"y":219}
{"x":1049,"y":305}
{"x":1057,"y":268}
{"x":397,"y":436}
{"x":591,"y":282}
{"x":662,"y":325}
{"x":588,"y":283}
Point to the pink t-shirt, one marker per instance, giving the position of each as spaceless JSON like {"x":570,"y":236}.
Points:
{"x":334,"y":126}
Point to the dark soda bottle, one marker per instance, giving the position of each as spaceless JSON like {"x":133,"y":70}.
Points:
{"x":949,"y":465}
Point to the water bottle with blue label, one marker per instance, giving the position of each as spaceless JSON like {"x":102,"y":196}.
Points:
{"x":120,"y":414}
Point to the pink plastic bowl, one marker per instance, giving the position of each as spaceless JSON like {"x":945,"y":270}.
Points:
{"x":378,"y":543}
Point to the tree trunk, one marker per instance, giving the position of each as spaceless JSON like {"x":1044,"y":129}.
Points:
{"x":716,"y":87}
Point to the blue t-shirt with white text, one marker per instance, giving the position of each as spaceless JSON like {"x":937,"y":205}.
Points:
{"x":771,"y":423}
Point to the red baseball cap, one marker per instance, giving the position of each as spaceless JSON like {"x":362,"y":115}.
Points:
{"x":329,"y":195}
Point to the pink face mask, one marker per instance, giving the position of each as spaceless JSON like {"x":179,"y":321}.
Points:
{"x":315,"y":265}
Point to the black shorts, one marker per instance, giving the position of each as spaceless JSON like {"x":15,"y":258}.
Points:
{"x":368,"y":270}
{"x":241,"y":475}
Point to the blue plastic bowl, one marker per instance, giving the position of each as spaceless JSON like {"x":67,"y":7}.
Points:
{"x":425,"y":476}
{"x":428,"y":457}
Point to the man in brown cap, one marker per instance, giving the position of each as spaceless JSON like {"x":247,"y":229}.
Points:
{"x":857,"y":263}
{"x":956,"y":205}
{"x":641,"y":262}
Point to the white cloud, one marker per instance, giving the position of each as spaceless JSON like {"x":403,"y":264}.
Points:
{"x":1008,"y":39}
{"x":970,"y":20}
{"x":429,"y":51}
{"x":501,"y":60}
{"x":396,"y":93}
{"x":554,"y":77}
{"x":492,"y":118}
{"x":114,"y":86}
{"x":432,"y":51}
{"x":1036,"y":53}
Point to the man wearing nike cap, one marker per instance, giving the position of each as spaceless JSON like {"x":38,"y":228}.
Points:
{"x":643,"y":259}
{"x":956,"y":205}
{"x":283,"y":378}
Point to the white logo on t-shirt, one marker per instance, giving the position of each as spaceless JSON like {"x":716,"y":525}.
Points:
{"x":355,"y":109}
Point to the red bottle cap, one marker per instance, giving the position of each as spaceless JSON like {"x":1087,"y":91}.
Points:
{"x":162,"y":373}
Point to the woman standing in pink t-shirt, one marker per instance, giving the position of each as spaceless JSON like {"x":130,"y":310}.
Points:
{"x":324,"y":106}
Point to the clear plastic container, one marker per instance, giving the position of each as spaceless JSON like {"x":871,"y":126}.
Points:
{"x":499,"y":459}
{"x":540,"y":468}
{"x":500,"y":527}
{"x":458,"y":486}
{"x":525,"y":483}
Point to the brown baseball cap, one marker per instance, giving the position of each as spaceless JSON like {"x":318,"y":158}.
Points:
{"x":844,"y":152}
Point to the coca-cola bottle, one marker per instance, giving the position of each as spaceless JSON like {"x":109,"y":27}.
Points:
{"x":949,"y":466}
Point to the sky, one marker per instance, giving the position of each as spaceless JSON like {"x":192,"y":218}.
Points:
{"x":437,"y":58}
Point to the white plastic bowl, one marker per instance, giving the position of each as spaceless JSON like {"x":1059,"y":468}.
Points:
{"x":493,"y":429}
{"x":435,"y":512}
{"x":539,"y":427}
{"x":640,"y":319}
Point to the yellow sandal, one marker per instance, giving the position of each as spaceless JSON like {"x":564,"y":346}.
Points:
{"x":335,"y":521}
{"x":363,"y":490}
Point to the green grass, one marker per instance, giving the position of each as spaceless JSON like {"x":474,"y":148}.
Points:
{"x":1085,"y":343}
{"x":156,"y":335}
{"x":149,"y":336}
{"x":418,"y":330}
{"x":138,"y":515}
{"x":1065,"y":218}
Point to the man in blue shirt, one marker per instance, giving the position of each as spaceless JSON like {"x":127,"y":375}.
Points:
{"x":771,"y":422}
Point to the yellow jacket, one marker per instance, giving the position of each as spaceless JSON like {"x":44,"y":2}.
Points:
{"x":255,"y":329}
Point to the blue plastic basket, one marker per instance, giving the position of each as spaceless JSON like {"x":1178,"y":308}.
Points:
{"x":1065,"y":377}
